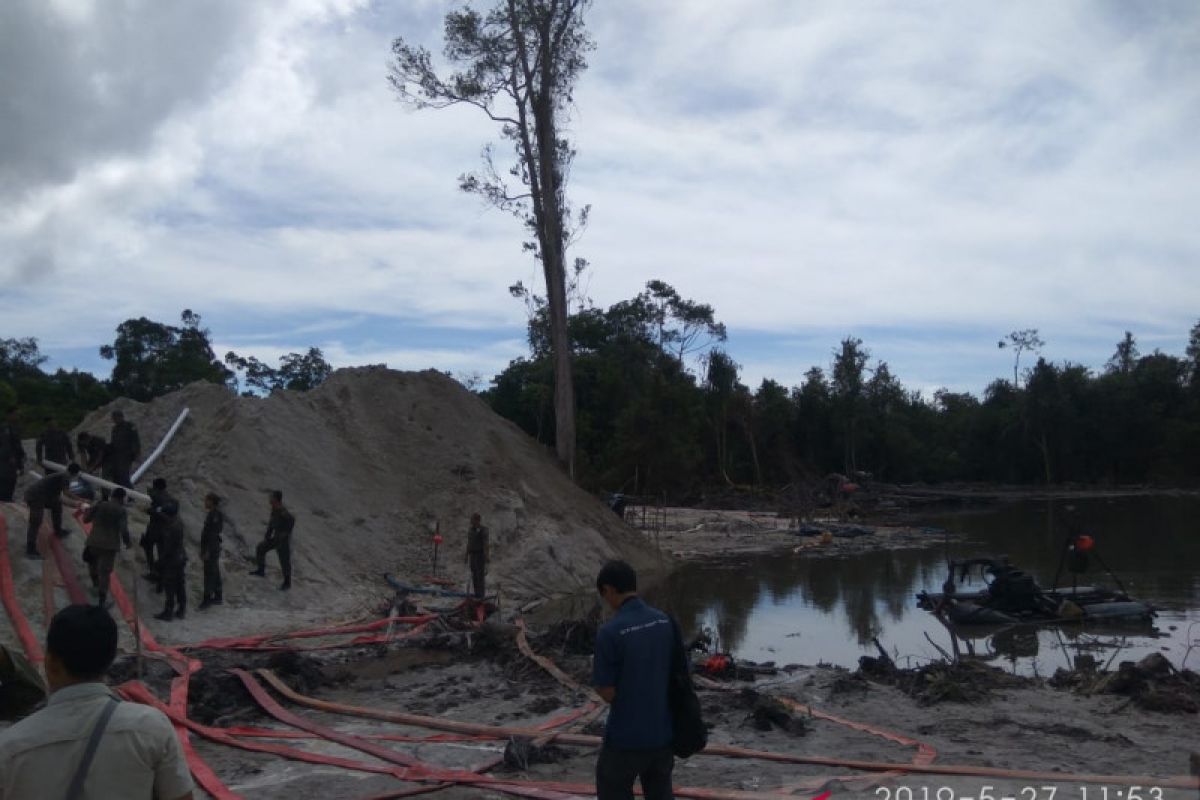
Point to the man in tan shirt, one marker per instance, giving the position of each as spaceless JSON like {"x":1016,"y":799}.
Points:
{"x":137,"y":754}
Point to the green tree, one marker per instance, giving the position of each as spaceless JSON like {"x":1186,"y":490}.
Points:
{"x":303,"y":371}
{"x":814,"y":422}
{"x":775,"y":433}
{"x":720,"y":388}
{"x":19,"y":357}
{"x":1020,"y":342}
{"x":849,"y":366}
{"x":1125,"y":358}
{"x":152,"y":359}
{"x":684,"y":326}
{"x":296,"y":371}
{"x":518,"y":64}
{"x":1193,"y":356}
{"x":64,"y":395}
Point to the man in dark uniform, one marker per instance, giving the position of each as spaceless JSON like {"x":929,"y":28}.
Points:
{"x":210,"y":550}
{"x":110,"y":529}
{"x":54,"y":445}
{"x":172,"y":563}
{"x":152,"y":538}
{"x":12,"y":455}
{"x":635,"y":656}
{"x":277,"y":538}
{"x":477,"y":554}
{"x":91,"y":450}
{"x":47,"y":494}
{"x":124,"y":447}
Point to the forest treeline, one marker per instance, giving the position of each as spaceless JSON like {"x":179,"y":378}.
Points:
{"x":662,"y":409}
{"x":150,"y":359}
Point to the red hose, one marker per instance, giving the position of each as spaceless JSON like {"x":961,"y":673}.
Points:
{"x":424,"y":772}
{"x":408,"y":769}
{"x":8,"y":594}
{"x":138,"y":692}
{"x":65,"y":568}
{"x":258,"y":642}
{"x":185,"y":667}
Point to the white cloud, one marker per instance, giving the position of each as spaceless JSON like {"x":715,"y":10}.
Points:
{"x":803,"y":167}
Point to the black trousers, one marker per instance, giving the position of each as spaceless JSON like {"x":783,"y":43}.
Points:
{"x":119,"y":470}
{"x":8,"y":483}
{"x":616,"y":770}
{"x":36,"y":513}
{"x":478,"y":565}
{"x":148,"y":542}
{"x":173,"y":585}
{"x":281,"y":545}
{"x":212,"y":578}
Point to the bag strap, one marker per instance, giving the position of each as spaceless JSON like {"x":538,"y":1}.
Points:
{"x":76,"y":789}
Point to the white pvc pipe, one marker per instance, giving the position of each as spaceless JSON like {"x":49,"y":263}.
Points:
{"x":141,"y":470}
{"x":130,"y":493}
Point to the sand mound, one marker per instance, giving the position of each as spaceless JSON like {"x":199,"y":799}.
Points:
{"x":368,"y":463}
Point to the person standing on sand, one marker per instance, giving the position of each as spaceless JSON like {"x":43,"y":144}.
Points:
{"x":210,"y":550}
{"x":631,"y":672}
{"x":124,"y":447}
{"x":477,"y":555}
{"x":54,"y":445}
{"x":278,"y":538}
{"x":152,"y":537}
{"x":47,"y":494}
{"x":110,"y":529}
{"x":172,"y":564}
{"x":12,"y":455}
{"x":85,"y":742}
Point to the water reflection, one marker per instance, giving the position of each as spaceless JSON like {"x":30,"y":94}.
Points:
{"x":791,"y":608}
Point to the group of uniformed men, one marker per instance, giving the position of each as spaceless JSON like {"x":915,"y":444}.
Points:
{"x":163,"y":540}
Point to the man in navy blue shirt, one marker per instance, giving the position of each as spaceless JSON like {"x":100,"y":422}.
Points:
{"x":634,"y":653}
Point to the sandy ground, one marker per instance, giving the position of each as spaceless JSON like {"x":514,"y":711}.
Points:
{"x":1026,"y":728}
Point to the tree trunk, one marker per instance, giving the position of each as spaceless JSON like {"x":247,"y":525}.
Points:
{"x":553,"y":246}
{"x":758,"y":480}
{"x":1044,"y":446}
{"x":564,"y":389}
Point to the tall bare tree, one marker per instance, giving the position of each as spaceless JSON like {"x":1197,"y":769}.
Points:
{"x":1020,"y":341}
{"x":518,"y":63}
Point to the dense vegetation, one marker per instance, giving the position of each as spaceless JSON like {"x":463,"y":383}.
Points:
{"x":648,"y":424}
{"x":150,"y":359}
{"x":661,"y":409}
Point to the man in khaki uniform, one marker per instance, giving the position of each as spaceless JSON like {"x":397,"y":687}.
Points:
{"x":277,"y":538}
{"x":172,"y":563}
{"x":136,"y":753}
{"x":46,"y":494}
{"x":110,"y":528}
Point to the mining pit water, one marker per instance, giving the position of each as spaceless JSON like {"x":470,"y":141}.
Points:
{"x":805,"y":609}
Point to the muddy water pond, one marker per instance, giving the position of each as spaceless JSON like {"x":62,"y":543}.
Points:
{"x":802,"y":609}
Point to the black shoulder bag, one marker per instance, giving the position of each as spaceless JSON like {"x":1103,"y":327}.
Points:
{"x":691,"y":735}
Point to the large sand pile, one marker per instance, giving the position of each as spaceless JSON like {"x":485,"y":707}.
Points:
{"x":368,"y":463}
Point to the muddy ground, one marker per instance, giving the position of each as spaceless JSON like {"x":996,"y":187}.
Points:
{"x":973,"y":715}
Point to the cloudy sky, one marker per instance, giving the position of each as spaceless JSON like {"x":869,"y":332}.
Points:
{"x":926,"y":176}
